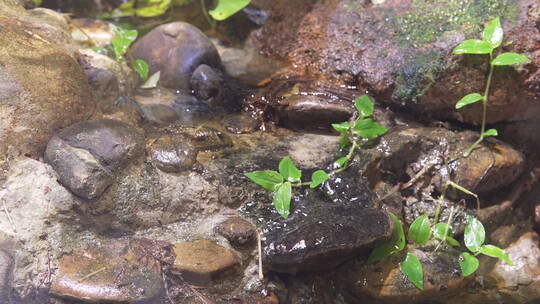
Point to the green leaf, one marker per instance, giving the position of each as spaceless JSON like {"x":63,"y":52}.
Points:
{"x":473,"y":46}
{"x":396,"y":244}
{"x":509,"y":59}
{"x":36,"y":2}
{"x":152,"y":8}
{"x":342,"y":127}
{"x":152,"y":81}
{"x":491,"y":132}
{"x":493,"y":33}
{"x":475,"y":235}
{"x":227,"y":8}
{"x":122,"y":40}
{"x":412,"y":268}
{"x":340,"y":162}
{"x":468,"y":264}
{"x":367,"y":128}
{"x":344,"y":141}
{"x":282,"y":199}
{"x":496,"y":252}
{"x":468,"y":99}
{"x":318,"y":177}
{"x":364,"y":105}
{"x":267,"y":179}
{"x":438,"y":231}
{"x":419,"y":230}
{"x":288,"y":170}
{"x":141,"y":67}
{"x":452,"y":241}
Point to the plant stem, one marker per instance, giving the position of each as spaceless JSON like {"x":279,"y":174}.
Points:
{"x":207,"y":16}
{"x":348,"y":156}
{"x":485,"y":99}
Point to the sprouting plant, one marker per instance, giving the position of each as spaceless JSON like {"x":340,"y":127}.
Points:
{"x":491,"y":39}
{"x":421,"y":231}
{"x":355,"y":133}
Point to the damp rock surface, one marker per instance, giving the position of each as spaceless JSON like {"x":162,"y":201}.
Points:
{"x":236,"y":229}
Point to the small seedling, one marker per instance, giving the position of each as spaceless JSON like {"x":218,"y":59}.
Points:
{"x":421,"y":231}
{"x":491,"y":39}
{"x":355,"y":133}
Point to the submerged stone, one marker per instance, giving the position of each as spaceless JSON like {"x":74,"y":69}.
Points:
{"x":173,"y":153}
{"x":320,"y":235}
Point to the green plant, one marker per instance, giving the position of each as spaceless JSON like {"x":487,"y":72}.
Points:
{"x":491,"y":39}
{"x":355,"y":133}
{"x":421,"y":231}
{"x":141,"y":67}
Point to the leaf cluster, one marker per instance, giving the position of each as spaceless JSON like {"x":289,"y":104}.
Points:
{"x":421,"y":231}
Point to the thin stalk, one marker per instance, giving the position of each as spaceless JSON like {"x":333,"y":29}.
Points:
{"x":485,"y":99}
{"x":348,"y":156}
{"x":211,"y":21}
{"x":445,"y":234}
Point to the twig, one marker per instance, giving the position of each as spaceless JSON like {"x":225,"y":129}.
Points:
{"x":400,"y":187}
{"x":259,"y":251}
{"x":9,"y":216}
{"x":448,"y":222}
{"x":86,"y":277}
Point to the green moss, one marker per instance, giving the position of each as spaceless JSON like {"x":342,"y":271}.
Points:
{"x":427,"y":20}
{"x":417,"y":75}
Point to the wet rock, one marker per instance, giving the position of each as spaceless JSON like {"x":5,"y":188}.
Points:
{"x":237,"y":230}
{"x":126,"y":77}
{"x":176,"y":49}
{"x":104,"y":88}
{"x":319,"y":235}
{"x":200,"y":261}
{"x":42,"y":87}
{"x":112,"y":274}
{"x":159,"y":115}
{"x":210,"y":139}
{"x":310,"y":111}
{"x":401,"y":51}
{"x":241,"y":124}
{"x":6,"y":275}
{"x":86,"y":155}
{"x":207,"y":84}
{"x":91,"y":32}
{"x":385,"y":283}
{"x":173,"y":153}
{"x":309,"y":288}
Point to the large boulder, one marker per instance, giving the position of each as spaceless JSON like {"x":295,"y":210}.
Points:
{"x":42,"y":87}
{"x":400,"y":50}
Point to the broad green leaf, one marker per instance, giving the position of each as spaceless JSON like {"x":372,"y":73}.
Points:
{"x":493,"y":33}
{"x":318,"y":177}
{"x":344,"y":141}
{"x":473,"y":46}
{"x":367,"y":128}
{"x":364,"y":105}
{"x":152,"y":8}
{"x":419,"y":230}
{"x":412,"y":268}
{"x":491,"y":132}
{"x":396,"y":244}
{"x":122,"y":40}
{"x":342,"y":127}
{"x":141,"y":67}
{"x":468,"y":99}
{"x":340,"y":162}
{"x":438,"y":231}
{"x":282,"y":199}
{"x":267,"y":179}
{"x":227,"y":8}
{"x":152,"y":81}
{"x":288,"y":170}
{"x":468,"y":264}
{"x":496,"y":252}
{"x":452,"y":241}
{"x":475,"y":235}
{"x":509,"y":59}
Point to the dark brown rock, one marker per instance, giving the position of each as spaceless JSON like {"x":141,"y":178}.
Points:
{"x":200,"y":261}
{"x":236,"y":229}
{"x":176,"y":49}
{"x":172,"y":153}
{"x":400,"y":50}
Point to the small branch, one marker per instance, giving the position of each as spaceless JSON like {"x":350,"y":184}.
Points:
{"x":448,"y":223}
{"x":259,"y":252}
{"x":8,"y":216}
{"x":86,"y":277}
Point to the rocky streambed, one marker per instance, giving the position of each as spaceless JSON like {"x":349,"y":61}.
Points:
{"x":115,"y":194}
